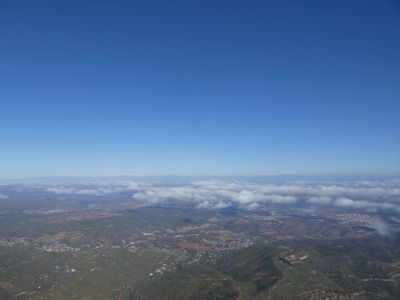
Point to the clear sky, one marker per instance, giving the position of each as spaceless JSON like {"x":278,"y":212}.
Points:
{"x":199,"y":87}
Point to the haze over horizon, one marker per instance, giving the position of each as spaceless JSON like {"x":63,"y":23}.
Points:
{"x":210,"y":87}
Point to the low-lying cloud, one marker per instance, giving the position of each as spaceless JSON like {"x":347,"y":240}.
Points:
{"x":101,"y":189}
{"x":380,"y":227}
{"x":217,"y":194}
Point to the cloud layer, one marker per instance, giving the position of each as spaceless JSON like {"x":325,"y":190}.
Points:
{"x":217,"y":194}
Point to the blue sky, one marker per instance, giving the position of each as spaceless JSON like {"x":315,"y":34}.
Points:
{"x":199,"y":87}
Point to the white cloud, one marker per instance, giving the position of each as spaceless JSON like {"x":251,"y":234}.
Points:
{"x":204,"y":204}
{"x":252,"y":206}
{"x":221,"y":204}
{"x":380,"y":227}
{"x":213,"y":195}
{"x":3,"y":197}
{"x":346,"y":202}
{"x":371,"y":195}
{"x":280,"y":199}
{"x":99,"y":189}
{"x":320,"y":200}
